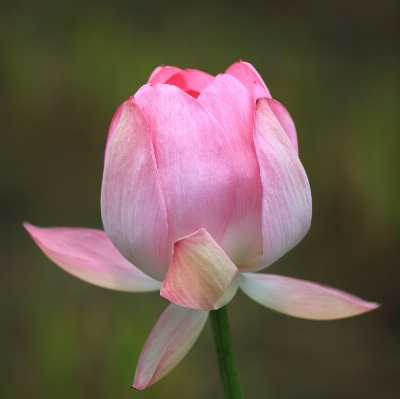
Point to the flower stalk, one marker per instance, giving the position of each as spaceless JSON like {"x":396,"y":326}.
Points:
{"x":225,"y":355}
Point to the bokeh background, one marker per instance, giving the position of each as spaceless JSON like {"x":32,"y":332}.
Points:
{"x":64,"y":69}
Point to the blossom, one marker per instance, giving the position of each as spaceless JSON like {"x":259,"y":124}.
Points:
{"x":202,"y":187}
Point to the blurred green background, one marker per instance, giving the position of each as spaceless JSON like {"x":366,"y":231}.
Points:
{"x":64,"y":69}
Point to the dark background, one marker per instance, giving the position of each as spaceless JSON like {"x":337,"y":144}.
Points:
{"x":64,"y":69}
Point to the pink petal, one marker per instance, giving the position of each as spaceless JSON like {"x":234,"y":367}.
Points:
{"x":286,"y":192}
{"x":201,"y":276}
{"x":247,"y":74}
{"x":194,"y":160}
{"x":191,"y":80}
{"x":89,"y":254}
{"x":113,"y":125}
{"x":132,"y":201}
{"x":170,"y":340}
{"x":285,"y":120}
{"x":232,"y":105}
{"x":259,"y":91}
{"x":301,"y":298}
{"x":162,"y":73}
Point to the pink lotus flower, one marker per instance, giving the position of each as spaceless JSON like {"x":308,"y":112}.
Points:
{"x":202,"y":186}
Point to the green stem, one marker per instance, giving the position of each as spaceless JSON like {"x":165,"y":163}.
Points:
{"x":226,"y":357}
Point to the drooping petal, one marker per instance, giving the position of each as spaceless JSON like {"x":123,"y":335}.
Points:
{"x":286,"y":212}
{"x":170,"y":340}
{"x":194,"y":161}
{"x":247,"y":74}
{"x":132,"y":201}
{"x":89,"y":255}
{"x":162,"y":73}
{"x":232,"y":105}
{"x":191,"y":80}
{"x":301,"y":298}
{"x":285,"y":120}
{"x":201,"y":275}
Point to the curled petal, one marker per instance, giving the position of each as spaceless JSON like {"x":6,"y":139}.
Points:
{"x":201,"y":275}
{"x":89,"y":255}
{"x":247,"y":74}
{"x":132,"y":201}
{"x":301,"y":298}
{"x":286,"y":207}
{"x":162,"y":73}
{"x":170,"y":340}
{"x":191,"y":80}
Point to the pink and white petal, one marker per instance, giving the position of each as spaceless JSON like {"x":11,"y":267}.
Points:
{"x":201,"y":275}
{"x":162,"y":73}
{"x":301,"y":298}
{"x":247,"y":74}
{"x":232,"y":105}
{"x":285,"y":120}
{"x":132,"y":201}
{"x":194,"y":161}
{"x":191,"y":80}
{"x":89,"y":255}
{"x":286,"y":213}
{"x":168,"y":343}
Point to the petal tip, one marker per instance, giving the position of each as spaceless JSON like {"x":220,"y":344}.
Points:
{"x":29,"y":227}
{"x":371,"y":306}
{"x":139,"y":386}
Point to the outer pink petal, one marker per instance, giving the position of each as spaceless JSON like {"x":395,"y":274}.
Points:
{"x":132,"y":202}
{"x":170,"y":340}
{"x":247,"y":74}
{"x":191,"y":80}
{"x":301,"y":298}
{"x":194,"y":160}
{"x":201,"y":276}
{"x":287,"y":207}
{"x":162,"y":73}
{"x":232,"y":105}
{"x":89,"y":254}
